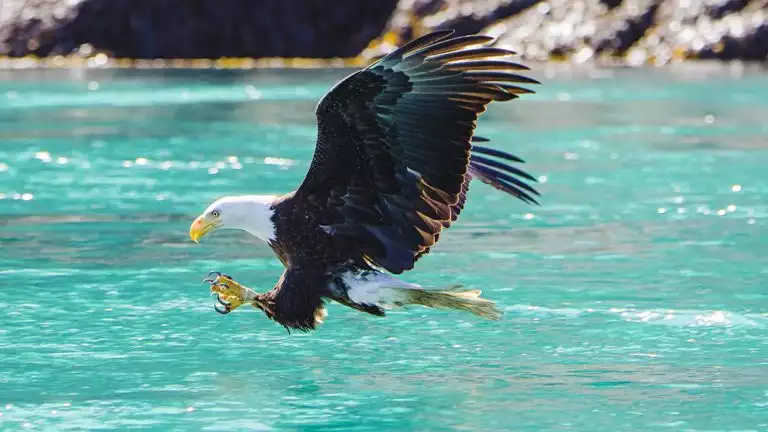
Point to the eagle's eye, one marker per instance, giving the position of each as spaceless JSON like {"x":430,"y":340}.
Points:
{"x":215,"y":213}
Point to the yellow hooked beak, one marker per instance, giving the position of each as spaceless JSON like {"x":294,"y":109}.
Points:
{"x":201,"y":226}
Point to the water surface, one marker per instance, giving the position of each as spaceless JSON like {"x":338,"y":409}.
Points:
{"x":635,"y":296}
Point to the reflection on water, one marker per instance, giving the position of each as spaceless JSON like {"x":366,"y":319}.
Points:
{"x":634,"y":297}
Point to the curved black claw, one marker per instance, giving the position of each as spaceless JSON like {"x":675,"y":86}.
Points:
{"x":224,"y":311}
{"x":223,"y":303}
{"x":208,"y":278}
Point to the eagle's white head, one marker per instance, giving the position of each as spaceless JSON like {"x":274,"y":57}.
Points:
{"x":251,"y":213}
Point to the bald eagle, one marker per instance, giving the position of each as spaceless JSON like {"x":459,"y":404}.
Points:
{"x":394,"y":159}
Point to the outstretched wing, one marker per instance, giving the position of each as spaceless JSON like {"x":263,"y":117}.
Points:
{"x":392,"y":163}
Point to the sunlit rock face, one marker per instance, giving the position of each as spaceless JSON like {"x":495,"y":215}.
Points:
{"x":634,"y":32}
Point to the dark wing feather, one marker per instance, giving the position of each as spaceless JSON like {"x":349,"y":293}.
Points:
{"x":487,"y":178}
{"x":392,"y":165}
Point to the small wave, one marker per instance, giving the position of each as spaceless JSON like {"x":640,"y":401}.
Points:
{"x":695,"y":318}
{"x":668,"y":317}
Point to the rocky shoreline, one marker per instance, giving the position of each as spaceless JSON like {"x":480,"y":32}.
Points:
{"x":632,"y":32}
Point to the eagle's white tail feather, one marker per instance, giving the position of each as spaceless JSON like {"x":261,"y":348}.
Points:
{"x":469,"y":301}
{"x":381,"y":289}
{"x":470,"y":294}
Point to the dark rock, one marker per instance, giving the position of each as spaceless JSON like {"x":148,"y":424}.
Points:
{"x":753,"y":46}
{"x":611,"y":4}
{"x":725,"y":8}
{"x":198,"y":28}
{"x":472,"y":23}
{"x":428,"y":7}
{"x":630,"y":32}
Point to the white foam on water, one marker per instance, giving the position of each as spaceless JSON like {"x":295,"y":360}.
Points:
{"x":668,"y":317}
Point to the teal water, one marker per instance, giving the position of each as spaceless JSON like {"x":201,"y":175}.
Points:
{"x":635,"y":296}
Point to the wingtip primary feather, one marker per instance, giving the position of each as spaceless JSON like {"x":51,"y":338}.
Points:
{"x":416,"y":44}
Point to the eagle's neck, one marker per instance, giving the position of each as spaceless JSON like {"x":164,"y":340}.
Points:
{"x":256,"y":216}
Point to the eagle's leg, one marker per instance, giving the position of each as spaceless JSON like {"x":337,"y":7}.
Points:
{"x":230,"y":294}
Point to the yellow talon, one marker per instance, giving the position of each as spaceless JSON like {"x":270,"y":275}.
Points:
{"x":230,"y":294}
